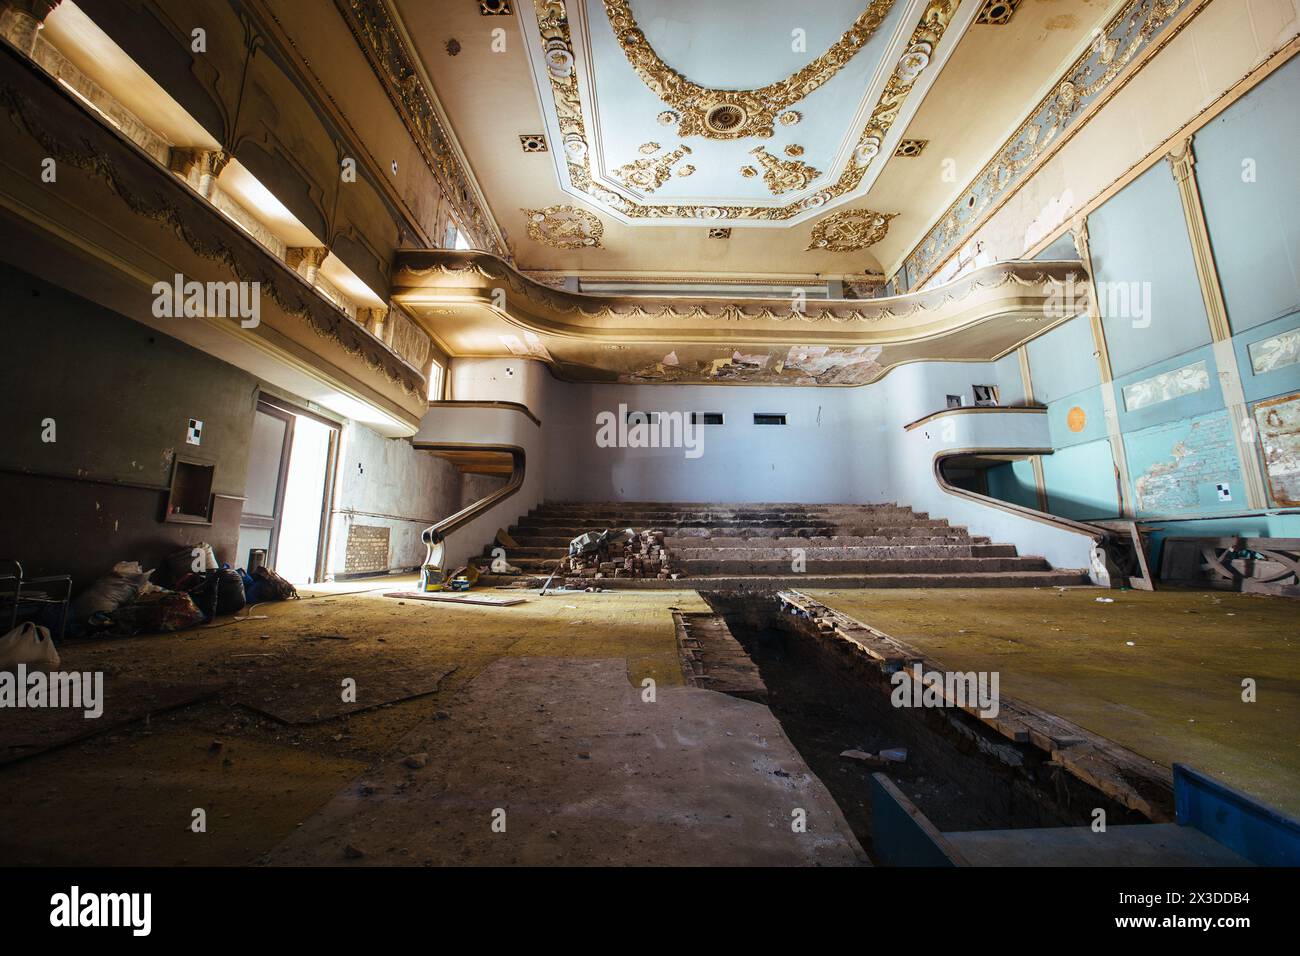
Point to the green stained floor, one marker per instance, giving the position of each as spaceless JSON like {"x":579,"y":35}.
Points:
{"x":1160,"y":673}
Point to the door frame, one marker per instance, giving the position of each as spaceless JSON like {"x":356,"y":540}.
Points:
{"x":277,"y":406}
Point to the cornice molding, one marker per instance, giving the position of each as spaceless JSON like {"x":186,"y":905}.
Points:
{"x":387,"y":48}
{"x":451,"y":279}
{"x":1131,"y":37}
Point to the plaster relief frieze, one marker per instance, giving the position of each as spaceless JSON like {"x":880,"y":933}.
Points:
{"x":461,"y":272}
{"x":1088,"y":82}
{"x":395,"y":65}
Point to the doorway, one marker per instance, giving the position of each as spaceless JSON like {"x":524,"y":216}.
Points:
{"x":291,"y":464}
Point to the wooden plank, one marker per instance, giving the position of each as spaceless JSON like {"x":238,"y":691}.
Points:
{"x":454,"y":597}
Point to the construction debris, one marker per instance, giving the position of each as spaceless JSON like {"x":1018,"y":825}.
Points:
{"x":619,"y":554}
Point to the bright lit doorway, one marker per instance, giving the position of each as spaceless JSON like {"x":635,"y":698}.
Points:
{"x":292,"y":459}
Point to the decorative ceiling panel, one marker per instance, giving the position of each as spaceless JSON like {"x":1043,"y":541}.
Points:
{"x":671,"y":112}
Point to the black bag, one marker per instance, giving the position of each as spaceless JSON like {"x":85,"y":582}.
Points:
{"x":274,"y":587}
{"x":218,"y":593}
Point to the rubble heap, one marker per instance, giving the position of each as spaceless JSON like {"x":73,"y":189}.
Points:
{"x":629,"y":554}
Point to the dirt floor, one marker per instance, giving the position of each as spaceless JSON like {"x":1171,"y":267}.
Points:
{"x":1160,"y":673}
{"x":127,"y":795}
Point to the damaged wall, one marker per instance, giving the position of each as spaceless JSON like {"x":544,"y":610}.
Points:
{"x":1173,"y":393}
{"x":120,"y":397}
{"x":387,"y":494}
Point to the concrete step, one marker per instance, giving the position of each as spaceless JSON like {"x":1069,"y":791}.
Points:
{"x":636,"y":507}
{"x":767,"y":583}
{"x":930,"y":564}
{"x":913,"y":536}
{"x":917,"y":565}
{"x":650,"y":518}
{"x":707,"y":552}
{"x":754,"y":548}
{"x":545,"y":528}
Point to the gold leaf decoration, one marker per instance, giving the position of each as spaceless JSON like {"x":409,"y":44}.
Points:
{"x":649,"y":174}
{"x":735,"y":114}
{"x":784,"y":175}
{"x":850,"y":230}
{"x":564,"y":227}
{"x":557,"y":48}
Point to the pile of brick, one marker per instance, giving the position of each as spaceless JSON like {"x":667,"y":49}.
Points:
{"x":643,"y":556}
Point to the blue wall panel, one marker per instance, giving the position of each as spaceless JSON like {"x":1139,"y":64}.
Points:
{"x":1014,"y":482}
{"x":1182,"y":406}
{"x":1255,"y":225}
{"x":1080,"y":481}
{"x":1088,"y":402}
{"x":1281,"y":381}
{"x":1139,"y":243}
{"x":1063,"y":361}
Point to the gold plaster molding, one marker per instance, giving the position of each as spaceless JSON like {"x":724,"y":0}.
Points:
{"x":564,"y":227}
{"x":451,"y":279}
{"x":557,"y":47}
{"x":850,"y":230}
{"x":747,"y":112}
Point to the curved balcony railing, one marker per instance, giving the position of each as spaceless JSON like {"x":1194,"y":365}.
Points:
{"x":1003,"y":431}
{"x":501,"y":427}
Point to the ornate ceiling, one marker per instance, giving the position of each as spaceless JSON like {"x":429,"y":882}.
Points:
{"x":670,"y":111}
{"x":730,"y":141}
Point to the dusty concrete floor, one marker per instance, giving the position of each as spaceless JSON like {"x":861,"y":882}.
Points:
{"x":127,"y":795}
{"x":1160,"y":673}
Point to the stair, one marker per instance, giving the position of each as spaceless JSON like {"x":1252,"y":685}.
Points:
{"x":759,"y":546}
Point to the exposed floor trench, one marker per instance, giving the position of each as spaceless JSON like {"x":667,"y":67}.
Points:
{"x":538,"y":708}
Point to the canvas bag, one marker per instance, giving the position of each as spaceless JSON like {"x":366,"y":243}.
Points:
{"x":28,"y":644}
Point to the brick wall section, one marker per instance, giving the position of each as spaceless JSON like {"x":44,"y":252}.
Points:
{"x":367,"y":549}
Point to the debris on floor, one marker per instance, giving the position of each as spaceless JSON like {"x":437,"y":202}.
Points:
{"x":446,"y":598}
{"x":619,"y":554}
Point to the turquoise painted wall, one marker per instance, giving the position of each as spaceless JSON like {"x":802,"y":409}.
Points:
{"x":1180,"y":443}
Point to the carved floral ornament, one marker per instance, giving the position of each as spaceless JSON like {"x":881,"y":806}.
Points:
{"x":735,"y":114}
{"x":729,"y":114}
{"x":850,"y":230}
{"x":564,"y":227}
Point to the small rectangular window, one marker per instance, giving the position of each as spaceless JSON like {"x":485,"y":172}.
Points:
{"x":768,"y":418}
{"x":985,"y":395}
{"x":954,"y":401}
{"x":706,"y":418}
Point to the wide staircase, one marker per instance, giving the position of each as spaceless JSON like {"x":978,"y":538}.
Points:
{"x":773,"y":546}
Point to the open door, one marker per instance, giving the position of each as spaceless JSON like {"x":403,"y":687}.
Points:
{"x":288,"y":490}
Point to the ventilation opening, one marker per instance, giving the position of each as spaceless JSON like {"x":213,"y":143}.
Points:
{"x":765,"y":418}
{"x":706,"y":418}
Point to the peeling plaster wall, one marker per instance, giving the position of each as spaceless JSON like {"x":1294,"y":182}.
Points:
{"x":1172,"y":414}
{"x":386,"y":483}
